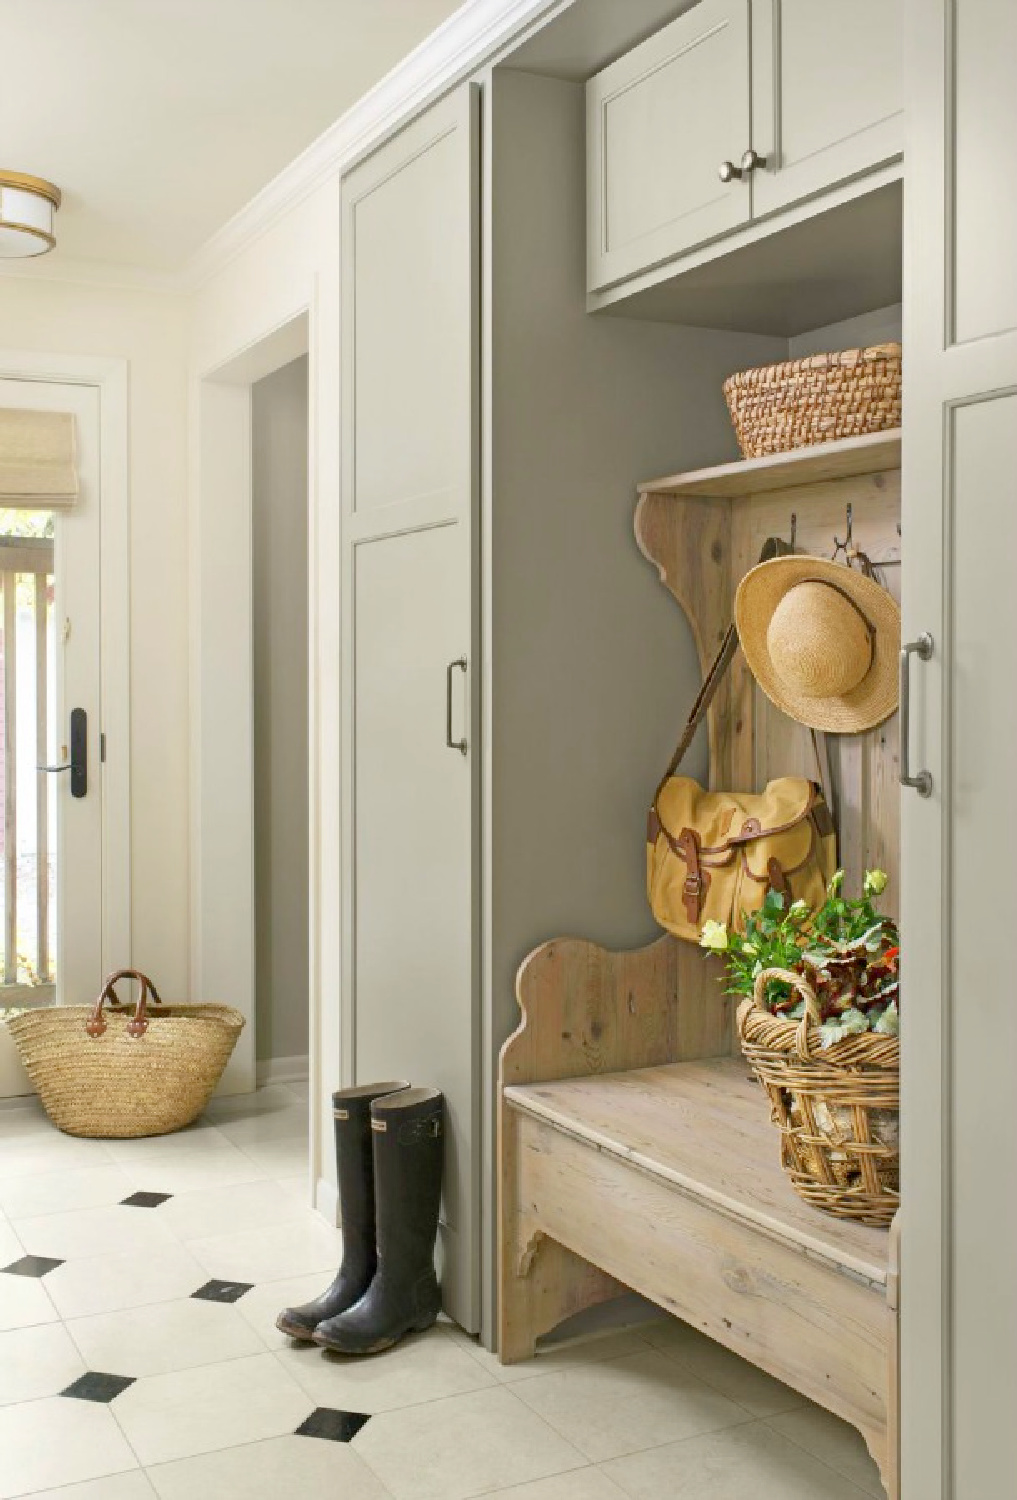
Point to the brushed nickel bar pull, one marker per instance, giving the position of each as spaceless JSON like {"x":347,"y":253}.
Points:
{"x":452,"y":744}
{"x":921,"y":780}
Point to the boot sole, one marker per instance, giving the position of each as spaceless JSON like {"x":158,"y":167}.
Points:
{"x":381,"y":1345}
{"x":295,"y":1331}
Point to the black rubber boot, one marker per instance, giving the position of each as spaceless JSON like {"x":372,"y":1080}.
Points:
{"x":355,"y":1170}
{"x":408,"y":1133}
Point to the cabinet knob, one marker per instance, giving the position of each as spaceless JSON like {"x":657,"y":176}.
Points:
{"x":751,"y":160}
{"x":727,"y":171}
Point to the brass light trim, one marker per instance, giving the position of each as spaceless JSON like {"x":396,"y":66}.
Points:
{"x":28,"y":184}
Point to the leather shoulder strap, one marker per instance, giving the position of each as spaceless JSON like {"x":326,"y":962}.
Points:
{"x":700,"y":708}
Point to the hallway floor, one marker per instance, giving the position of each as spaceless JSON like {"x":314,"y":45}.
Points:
{"x":139,"y":1283}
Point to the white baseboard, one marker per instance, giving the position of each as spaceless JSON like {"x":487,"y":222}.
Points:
{"x":14,"y":1081}
{"x":326,"y":1200}
{"x":282,"y":1070}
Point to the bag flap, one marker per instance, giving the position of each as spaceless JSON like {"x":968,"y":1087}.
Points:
{"x":729,"y":820}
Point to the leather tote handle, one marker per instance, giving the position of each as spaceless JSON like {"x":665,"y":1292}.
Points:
{"x":138,"y":1024}
{"x":772,"y":547}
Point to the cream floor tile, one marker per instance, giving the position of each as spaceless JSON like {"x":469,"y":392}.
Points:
{"x":462,"y":1446}
{"x":45,"y":1444}
{"x":59,"y":1192}
{"x":24,"y":1302}
{"x":307,"y":1467}
{"x":37,"y":1362}
{"x":164,"y":1337}
{"x":751,"y":1387}
{"x":200,"y":1138}
{"x":191,"y":1171}
{"x":174,"y":1416}
{"x":133,"y":1485}
{"x":94,"y":1231}
{"x":299,"y":1090}
{"x":262,"y":1304}
{"x":107,"y":1283}
{"x":11,"y":1247}
{"x":624,"y":1405}
{"x":240,"y":1106}
{"x":47,"y":1151}
{"x":743,"y":1463}
{"x":298,"y":1188}
{"x":230,"y":1210}
{"x":288,"y":1123}
{"x":833,"y":1442}
{"x":285,"y":1157}
{"x":551,"y":1357}
{"x":270,"y":1254}
{"x":580,"y":1484}
{"x":425,"y":1367}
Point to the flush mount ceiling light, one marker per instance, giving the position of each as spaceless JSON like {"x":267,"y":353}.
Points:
{"x":27,"y":206}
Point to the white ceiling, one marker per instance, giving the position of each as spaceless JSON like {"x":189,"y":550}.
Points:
{"x":159,"y":119}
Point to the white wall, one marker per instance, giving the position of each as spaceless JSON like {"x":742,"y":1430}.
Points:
{"x":279,"y":557}
{"x":149,"y":330}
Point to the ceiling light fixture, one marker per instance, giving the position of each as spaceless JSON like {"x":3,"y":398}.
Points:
{"x":27,"y":206}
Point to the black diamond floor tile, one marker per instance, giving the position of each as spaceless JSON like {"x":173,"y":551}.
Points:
{"x":32,"y":1265}
{"x":335,"y":1426}
{"x":94,"y":1385}
{"x":145,"y":1200}
{"x":222,"y":1291}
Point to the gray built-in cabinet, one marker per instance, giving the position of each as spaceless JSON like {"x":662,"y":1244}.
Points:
{"x":733,"y":112}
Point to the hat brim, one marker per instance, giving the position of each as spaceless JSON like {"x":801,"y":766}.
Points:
{"x":875,"y":698}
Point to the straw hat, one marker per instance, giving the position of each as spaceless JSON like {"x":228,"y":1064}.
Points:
{"x":822,"y":641}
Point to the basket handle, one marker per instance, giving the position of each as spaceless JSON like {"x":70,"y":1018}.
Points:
{"x":808,"y":994}
{"x":138,"y":1024}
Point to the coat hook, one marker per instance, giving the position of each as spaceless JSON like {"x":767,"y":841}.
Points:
{"x":845,"y":546}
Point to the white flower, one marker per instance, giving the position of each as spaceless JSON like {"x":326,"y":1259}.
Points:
{"x":833,"y":889}
{"x":889,"y":1022}
{"x":875,"y":882}
{"x":799,"y":909}
{"x":714,"y":936}
{"x":750,"y":950}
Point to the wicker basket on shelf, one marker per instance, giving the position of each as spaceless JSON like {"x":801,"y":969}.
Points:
{"x":118,"y":1074}
{"x":801,"y":402}
{"x":837,"y":1107}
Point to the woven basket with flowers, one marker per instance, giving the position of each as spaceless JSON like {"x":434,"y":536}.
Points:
{"x":819,"y":1026}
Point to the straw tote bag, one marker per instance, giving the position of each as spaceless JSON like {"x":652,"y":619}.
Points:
{"x":117,"y":1074}
{"x":712,"y":856}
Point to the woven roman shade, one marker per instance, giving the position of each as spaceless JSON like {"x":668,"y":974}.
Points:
{"x":37,"y":453}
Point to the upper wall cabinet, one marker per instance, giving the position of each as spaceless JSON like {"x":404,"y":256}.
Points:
{"x":826,"y":94}
{"x":657,"y":123}
{"x":736,"y":110}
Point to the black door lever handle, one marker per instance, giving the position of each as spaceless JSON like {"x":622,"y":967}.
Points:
{"x":78,"y":763}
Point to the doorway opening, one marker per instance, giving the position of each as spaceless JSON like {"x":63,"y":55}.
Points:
{"x":279,"y":619}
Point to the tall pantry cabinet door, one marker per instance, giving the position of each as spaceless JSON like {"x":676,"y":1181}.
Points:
{"x":827,"y":94}
{"x":959,"y":523}
{"x":410,"y":1001}
{"x":659,"y":123}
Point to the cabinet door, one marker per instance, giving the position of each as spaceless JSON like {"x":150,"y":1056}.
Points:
{"x":410,"y":998}
{"x":827,"y":94}
{"x":659,"y":122}
{"x":959,"y":523}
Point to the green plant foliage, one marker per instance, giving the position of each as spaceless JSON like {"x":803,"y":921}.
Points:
{"x":846,"y":951}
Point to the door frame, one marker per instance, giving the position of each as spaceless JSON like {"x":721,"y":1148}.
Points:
{"x":221,"y":679}
{"x":110,"y":378}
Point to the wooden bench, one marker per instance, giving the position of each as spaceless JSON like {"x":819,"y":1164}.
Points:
{"x":664,"y":1177}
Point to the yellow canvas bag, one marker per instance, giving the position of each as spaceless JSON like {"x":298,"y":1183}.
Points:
{"x":714,"y":855}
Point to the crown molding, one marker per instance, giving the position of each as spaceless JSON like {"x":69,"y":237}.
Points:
{"x":469,"y":39}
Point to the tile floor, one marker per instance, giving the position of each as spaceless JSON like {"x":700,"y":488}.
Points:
{"x":139,"y":1283}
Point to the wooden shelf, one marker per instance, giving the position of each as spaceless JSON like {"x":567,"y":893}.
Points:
{"x":873,"y":453}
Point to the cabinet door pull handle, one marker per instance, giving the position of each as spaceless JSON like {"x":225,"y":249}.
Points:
{"x":921,"y":780}
{"x":727,"y":171}
{"x":452,"y":744}
{"x":751,"y":161}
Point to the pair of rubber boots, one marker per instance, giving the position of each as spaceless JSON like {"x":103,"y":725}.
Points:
{"x":389,"y":1151}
